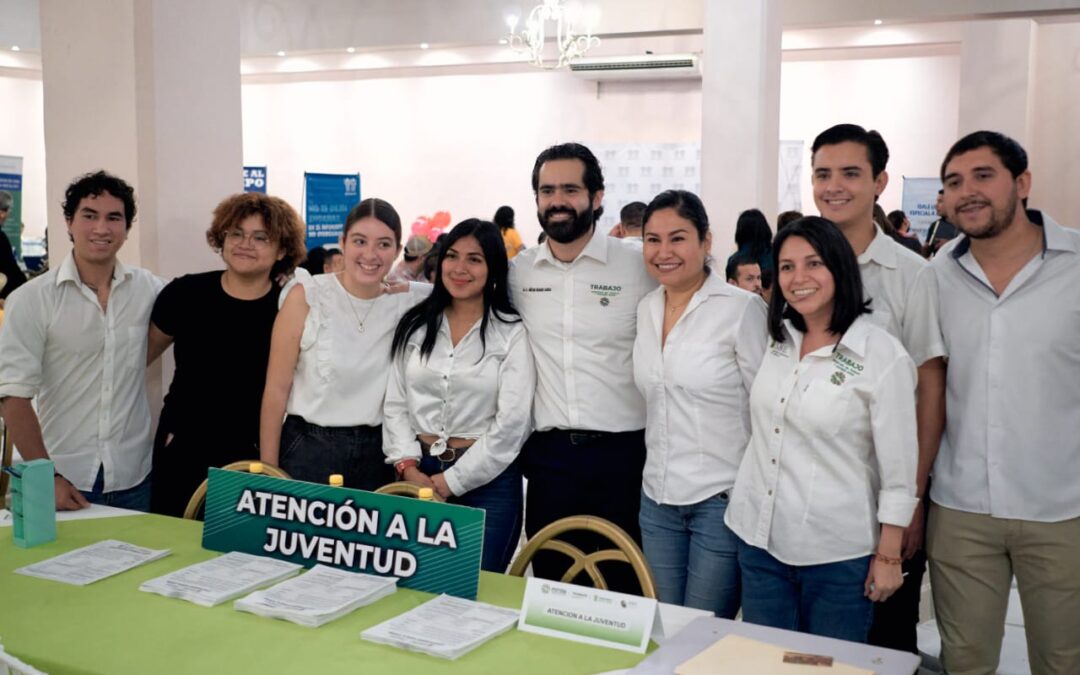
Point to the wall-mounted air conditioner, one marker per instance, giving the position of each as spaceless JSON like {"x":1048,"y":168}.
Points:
{"x":644,"y":67}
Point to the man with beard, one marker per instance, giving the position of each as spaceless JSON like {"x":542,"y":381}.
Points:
{"x":1005,"y":499}
{"x":578,"y":294}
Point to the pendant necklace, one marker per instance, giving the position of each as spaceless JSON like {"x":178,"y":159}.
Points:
{"x":352,"y":306}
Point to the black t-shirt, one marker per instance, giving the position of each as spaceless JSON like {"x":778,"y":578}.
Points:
{"x":221,"y":346}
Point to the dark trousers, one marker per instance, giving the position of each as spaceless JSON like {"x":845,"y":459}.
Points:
{"x":577,"y":473}
{"x":895,"y":620}
{"x":313,"y":453}
{"x":180,"y":465}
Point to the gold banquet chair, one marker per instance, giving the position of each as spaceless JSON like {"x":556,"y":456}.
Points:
{"x":404,"y":488}
{"x":626,"y":550}
{"x":196,"y":502}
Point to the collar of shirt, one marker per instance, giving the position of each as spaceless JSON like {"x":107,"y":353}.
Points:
{"x":596,"y":249}
{"x":854,"y":338}
{"x":68,"y":272}
{"x":1054,"y":237}
{"x":879,"y":250}
{"x":713,"y":286}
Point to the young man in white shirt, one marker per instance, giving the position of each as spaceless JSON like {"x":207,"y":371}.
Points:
{"x":848,"y":174}
{"x":1005,"y":498}
{"x":73,"y":357}
{"x":578,"y":295}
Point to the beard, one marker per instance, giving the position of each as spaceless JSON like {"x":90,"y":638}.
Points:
{"x":1000,"y":219}
{"x":566,"y":231}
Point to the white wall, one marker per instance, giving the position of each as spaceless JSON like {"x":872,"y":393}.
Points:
{"x":22,"y":133}
{"x":1055,"y":153}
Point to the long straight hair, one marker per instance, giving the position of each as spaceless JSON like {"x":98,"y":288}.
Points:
{"x":428,"y":313}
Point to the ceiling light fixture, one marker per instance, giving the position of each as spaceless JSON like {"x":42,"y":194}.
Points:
{"x":281,"y":53}
{"x":570,"y":26}
{"x":878,"y":22}
{"x":351,"y":50}
{"x":424,"y":45}
{"x":15,"y":48}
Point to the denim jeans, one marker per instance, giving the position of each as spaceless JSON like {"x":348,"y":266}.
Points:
{"x":693,"y":554}
{"x":136,"y":498}
{"x":502,"y":502}
{"x":823,"y":600}
{"x":312,"y":453}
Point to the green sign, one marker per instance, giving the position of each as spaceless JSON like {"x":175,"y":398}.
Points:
{"x":429,"y":546}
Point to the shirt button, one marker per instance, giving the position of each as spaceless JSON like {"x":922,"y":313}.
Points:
{"x":781,"y":400}
{"x":774,"y":461}
{"x":770,"y":493}
{"x":776,"y":430}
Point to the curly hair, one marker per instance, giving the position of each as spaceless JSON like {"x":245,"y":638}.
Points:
{"x":281,"y":220}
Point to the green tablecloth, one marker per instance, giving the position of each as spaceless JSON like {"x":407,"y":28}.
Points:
{"x":113,"y":627}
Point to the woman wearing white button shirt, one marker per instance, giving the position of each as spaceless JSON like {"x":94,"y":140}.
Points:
{"x":459,"y":400}
{"x":827,"y":484}
{"x":699,"y":343}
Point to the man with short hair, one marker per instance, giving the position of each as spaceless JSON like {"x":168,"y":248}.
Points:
{"x":848,"y":174}
{"x":941,"y":231}
{"x":745,"y":272}
{"x":1005,"y":498}
{"x":411,"y":267}
{"x":578,"y":295}
{"x":630,"y":220}
{"x":73,"y":356}
{"x":334,"y":261}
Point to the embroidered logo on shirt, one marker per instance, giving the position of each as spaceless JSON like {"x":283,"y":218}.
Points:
{"x":846,"y":365}
{"x":604,"y":302}
{"x":777,"y":348}
{"x":837,"y":378}
{"x":604,"y":290}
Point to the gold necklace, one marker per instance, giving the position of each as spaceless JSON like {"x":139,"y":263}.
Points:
{"x":352,"y":306}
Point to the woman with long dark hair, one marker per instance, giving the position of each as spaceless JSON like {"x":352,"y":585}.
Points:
{"x":827,"y":484}
{"x":459,"y":399}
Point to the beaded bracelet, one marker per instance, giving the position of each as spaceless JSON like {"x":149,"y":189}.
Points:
{"x":888,"y":560}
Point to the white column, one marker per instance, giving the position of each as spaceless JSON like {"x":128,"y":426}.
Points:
{"x":148,"y":90}
{"x":740,"y":114}
{"x":997,"y":77}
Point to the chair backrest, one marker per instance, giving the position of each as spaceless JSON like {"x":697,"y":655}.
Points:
{"x":626,"y":550}
{"x":404,"y":488}
{"x":5,"y":460}
{"x":196,"y":502}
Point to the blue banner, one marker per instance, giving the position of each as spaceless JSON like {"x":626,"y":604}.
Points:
{"x":11,"y":182}
{"x":255,"y":179}
{"x":920,"y":203}
{"x":328,"y":198}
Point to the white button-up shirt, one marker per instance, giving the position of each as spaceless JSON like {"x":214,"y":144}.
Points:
{"x":581,"y":319}
{"x":1012,"y":434}
{"x":833,"y":451}
{"x":85,"y":370}
{"x":901,"y":304}
{"x":697,"y":389}
{"x":467,"y":391}
{"x":341,"y":372}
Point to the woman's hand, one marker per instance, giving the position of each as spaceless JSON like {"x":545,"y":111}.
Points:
{"x":418,"y":477}
{"x":441,"y":488}
{"x":883,"y":580}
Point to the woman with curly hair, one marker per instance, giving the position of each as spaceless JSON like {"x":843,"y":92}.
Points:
{"x":220,"y":323}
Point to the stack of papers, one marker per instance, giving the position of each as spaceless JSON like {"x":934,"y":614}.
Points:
{"x":93,"y":563}
{"x":446,"y":627}
{"x":318,"y":596}
{"x":736,"y":655}
{"x":221,"y":579}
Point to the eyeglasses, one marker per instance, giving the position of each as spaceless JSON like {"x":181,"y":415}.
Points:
{"x":259,"y":239}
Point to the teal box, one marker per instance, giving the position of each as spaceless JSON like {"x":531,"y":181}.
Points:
{"x":33,"y":502}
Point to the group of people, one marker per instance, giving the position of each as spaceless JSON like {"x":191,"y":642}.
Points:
{"x":774,"y":457}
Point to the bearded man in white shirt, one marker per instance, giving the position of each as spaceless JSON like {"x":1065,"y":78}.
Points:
{"x":73,"y":357}
{"x":1005,"y":497}
{"x":578,"y":295}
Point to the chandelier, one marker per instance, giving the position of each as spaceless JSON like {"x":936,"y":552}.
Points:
{"x":569,"y":25}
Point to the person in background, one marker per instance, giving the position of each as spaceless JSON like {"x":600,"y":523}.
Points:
{"x":941,"y":231}
{"x":459,"y":400}
{"x":578,"y":295}
{"x":630,"y":220}
{"x":827,"y":484}
{"x":698,"y":347}
{"x":411,"y":267}
{"x":786,"y":218}
{"x":315,"y":261}
{"x":1005,"y":499}
{"x":334,"y":261}
{"x":73,"y":356}
{"x":9,"y":266}
{"x":902,"y":233}
{"x":744,"y":272}
{"x":848,"y":175}
{"x":328,"y":359}
{"x":431,"y":264}
{"x":504,"y":220}
{"x":214,"y":319}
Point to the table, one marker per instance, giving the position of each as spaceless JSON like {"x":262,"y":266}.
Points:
{"x":113,"y":627}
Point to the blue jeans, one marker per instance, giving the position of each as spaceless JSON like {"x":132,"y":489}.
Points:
{"x":502,"y":502}
{"x":692,"y":553}
{"x":824,"y":600}
{"x":312,"y":453}
{"x":136,"y":498}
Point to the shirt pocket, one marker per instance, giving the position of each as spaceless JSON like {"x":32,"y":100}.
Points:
{"x":824,"y":407}
{"x":131,"y":347}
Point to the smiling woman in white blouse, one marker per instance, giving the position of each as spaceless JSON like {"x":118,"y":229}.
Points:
{"x":827,"y":484}
{"x":459,"y":401}
{"x":699,"y":343}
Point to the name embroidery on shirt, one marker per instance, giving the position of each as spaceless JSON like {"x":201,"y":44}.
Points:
{"x":844,"y":366}
{"x":535,"y":289}
{"x":778,"y":348}
{"x":605,"y":292}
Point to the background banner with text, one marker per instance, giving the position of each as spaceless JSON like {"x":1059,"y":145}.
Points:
{"x":11,"y":181}
{"x":328,"y":198}
{"x":255,"y":179}
{"x":920,"y":203}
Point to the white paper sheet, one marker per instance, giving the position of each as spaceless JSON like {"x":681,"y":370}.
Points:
{"x":93,"y":563}
{"x":318,"y":596}
{"x":446,"y":627}
{"x":220,"y":579}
